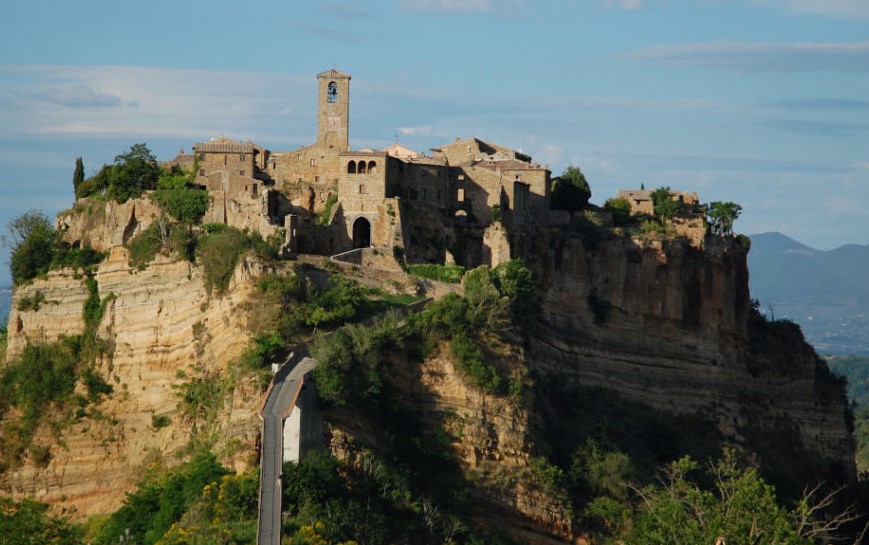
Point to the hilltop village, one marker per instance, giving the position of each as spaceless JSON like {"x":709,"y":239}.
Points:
{"x":469,"y":201}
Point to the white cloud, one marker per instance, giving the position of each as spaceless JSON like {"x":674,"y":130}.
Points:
{"x":141,"y":101}
{"x":777,"y":57}
{"x":415,"y":131}
{"x":841,"y":204}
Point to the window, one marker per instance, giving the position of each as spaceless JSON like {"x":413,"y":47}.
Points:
{"x":202,"y":172}
{"x":201,"y":156}
{"x":351,"y":167}
{"x":461,"y":195}
{"x":241,"y":173}
{"x":372,"y":167}
{"x":332,"y":93}
{"x":362,"y":189}
{"x":241,"y":157}
{"x":313,"y":162}
{"x":254,"y":189}
{"x":361,"y":167}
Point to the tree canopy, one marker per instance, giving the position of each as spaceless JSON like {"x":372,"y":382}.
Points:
{"x":30,"y":240}
{"x":570,"y":191}
{"x":721,"y":217}
{"x":132,"y":173}
{"x":664,"y":205}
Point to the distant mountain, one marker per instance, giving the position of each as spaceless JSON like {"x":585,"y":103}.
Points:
{"x":826,"y":292}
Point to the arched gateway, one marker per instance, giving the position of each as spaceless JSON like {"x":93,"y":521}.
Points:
{"x":361,"y":233}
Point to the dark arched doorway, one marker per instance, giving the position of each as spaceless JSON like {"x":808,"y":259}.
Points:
{"x":361,"y":233}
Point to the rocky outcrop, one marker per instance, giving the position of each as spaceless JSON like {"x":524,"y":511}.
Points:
{"x":490,"y":437}
{"x":158,"y":322}
{"x":666,"y":323}
{"x":105,"y":224}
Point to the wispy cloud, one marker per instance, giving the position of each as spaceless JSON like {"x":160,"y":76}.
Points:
{"x":458,"y":6}
{"x":821,"y":103}
{"x":831,"y":8}
{"x":142,"y":101}
{"x":822,"y":128}
{"x":775,"y":57}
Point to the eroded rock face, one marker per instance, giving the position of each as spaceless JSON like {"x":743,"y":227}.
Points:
{"x":491,"y":437}
{"x":158,"y":321}
{"x":666,"y":324}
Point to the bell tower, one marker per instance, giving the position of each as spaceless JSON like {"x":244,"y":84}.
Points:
{"x":333,"y":110}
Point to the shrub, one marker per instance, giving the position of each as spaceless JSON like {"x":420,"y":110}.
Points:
{"x":219,"y":252}
{"x":144,"y":246}
{"x":30,"y":239}
{"x":31,"y":303}
{"x":176,"y":196}
{"x":620,"y":210}
{"x":160,"y":421}
{"x":159,"y":502}
{"x":442,"y":273}
{"x":326,"y":215}
{"x":469,"y":360}
{"x":27,"y":522}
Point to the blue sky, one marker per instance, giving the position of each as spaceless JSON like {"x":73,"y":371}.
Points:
{"x":761,"y":102}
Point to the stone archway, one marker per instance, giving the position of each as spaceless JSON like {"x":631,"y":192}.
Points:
{"x":361,"y":233}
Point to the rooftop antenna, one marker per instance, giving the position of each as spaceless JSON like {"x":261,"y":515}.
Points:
{"x":396,"y":138}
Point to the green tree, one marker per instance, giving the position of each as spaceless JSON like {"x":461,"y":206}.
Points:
{"x":132,"y":173}
{"x":741,"y":508}
{"x":721,"y":217}
{"x":30,"y":239}
{"x":78,"y":176}
{"x":27,"y":522}
{"x":181,"y":201}
{"x":570,"y":191}
{"x":620,"y":209}
{"x":664,"y":205}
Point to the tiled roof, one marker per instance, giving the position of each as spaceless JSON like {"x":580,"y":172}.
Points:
{"x":224,"y":145}
{"x":333,"y":74}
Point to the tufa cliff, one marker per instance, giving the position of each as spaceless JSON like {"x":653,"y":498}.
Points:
{"x":663,"y":324}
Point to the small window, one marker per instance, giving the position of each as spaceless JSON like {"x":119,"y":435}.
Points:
{"x":332,"y":92}
{"x":201,"y":156}
{"x":254,"y":189}
{"x":372,"y":167}
{"x":313,"y":162}
{"x":362,"y":189}
{"x":202,"y":172}
{"x":461,"y":195}
{"x":351,"y":167}
{"x":241,"y":157}
{"x":241,"y":173}
{"x":423,"y":193}
{"x":361,"y":167}
{"x":224,"y":159}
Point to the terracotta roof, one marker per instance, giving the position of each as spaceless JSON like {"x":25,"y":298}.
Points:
{"x":397,"y":150}
{"x":224,"y":145}
{"x":333,"y":74}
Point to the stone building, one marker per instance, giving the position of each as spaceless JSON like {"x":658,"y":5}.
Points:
{"x":337,"y":199}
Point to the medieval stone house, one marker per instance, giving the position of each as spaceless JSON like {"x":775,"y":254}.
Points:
{"x":333,"y":198}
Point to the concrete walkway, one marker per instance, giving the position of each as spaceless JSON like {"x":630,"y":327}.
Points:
{"x":283,"y":392}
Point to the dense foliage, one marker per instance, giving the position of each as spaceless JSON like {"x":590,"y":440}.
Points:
{"x":27,"y":522}
{"x":177,"y":196}
{"x":664,"y":205}
{"x":441,"y":273}
{"x":570,"y":191}
{"x":131,"y":174}
{"x":161,"y":500}
{"x":36,"y":248}
{"x":721,"y":217}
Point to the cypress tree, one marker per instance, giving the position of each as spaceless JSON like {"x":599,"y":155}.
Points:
{"x":78,"y":176}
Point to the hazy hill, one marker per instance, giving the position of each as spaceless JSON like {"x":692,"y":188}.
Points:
{"x":826,"y":292}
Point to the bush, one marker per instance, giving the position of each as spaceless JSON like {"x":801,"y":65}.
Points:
{"x":159,"y":502}
{"x":620,"y":210}
{"x":441,"y":273}
{"x":30,"y":239}
{"x":218,"y":253}
{"x":326,"y":215}
{"x":469,"y":360}
{"x":176,"y":196}
{"x":31,"y":303}
{"x":128,"y":177}
{"x":27,"y":522}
